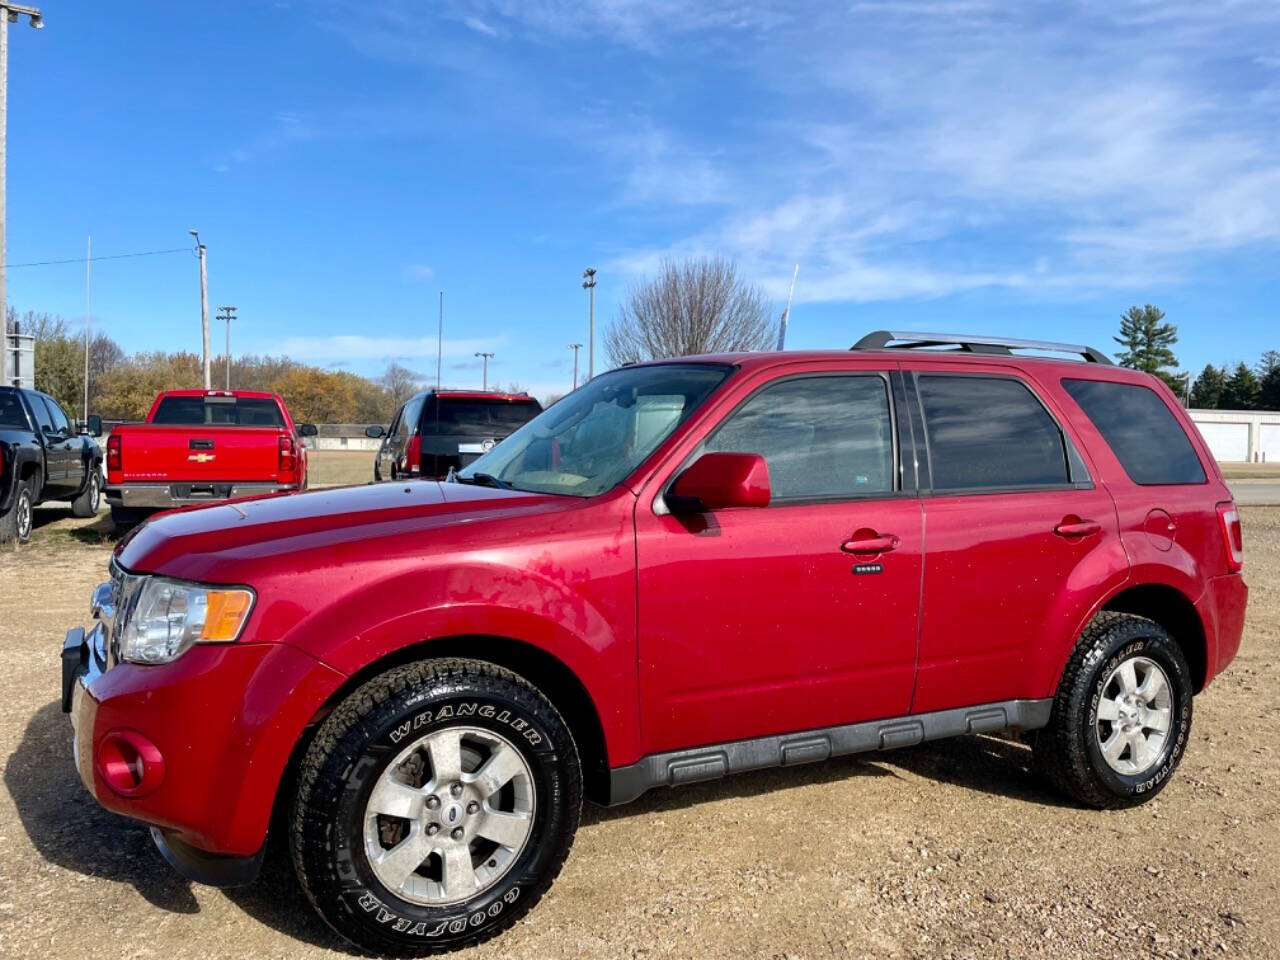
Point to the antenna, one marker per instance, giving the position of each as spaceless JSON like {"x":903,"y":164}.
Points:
{"x":786,"y":314}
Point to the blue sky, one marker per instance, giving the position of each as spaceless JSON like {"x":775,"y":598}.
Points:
{"x":1027,"y":168}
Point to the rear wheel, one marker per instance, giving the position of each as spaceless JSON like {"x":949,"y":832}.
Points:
{"x":86,"y":505}
{"x":15,"y":523}
{"x":435,"y":807}
{"x":1122,"y":714}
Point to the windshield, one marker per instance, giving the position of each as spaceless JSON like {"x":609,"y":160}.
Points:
{"x":589,"y":441}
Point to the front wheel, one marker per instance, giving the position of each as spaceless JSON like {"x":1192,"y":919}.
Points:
{"x":435,"y":806}
{"x":1122,"y":714}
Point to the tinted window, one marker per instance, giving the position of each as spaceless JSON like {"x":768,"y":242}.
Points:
{"x":989,"y":432}
{"x":60,"y":422}
{"x":409,"y":417}
{"x":822,"y":437}
{"x":12,"y":413}
{"x":41,"y":412}
{"x":473,"y":417}
{"x":219,"y":411}
{"x":1142,"y":432}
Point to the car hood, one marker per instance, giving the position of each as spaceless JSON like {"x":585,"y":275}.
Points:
{"x":204,"y":542}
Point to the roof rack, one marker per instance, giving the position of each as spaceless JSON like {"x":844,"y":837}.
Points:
{"x":998,"y":346}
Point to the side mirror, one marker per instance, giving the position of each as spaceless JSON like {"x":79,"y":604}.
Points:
{"x":716,"y":481}
{"x":307,"y":430}
{"x":94,"y":425}
{"x":374,"y":433}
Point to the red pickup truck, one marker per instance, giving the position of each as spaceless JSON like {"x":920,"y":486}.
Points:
{"x":198,"y":446}
{"x":682,"y":570}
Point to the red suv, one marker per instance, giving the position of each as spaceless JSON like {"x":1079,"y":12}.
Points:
{"x":682,"y":570}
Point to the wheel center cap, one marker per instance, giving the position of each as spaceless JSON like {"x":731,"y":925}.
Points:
{"x":452,"y":814}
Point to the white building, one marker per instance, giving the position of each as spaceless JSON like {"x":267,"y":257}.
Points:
{"x":1240,"y":436}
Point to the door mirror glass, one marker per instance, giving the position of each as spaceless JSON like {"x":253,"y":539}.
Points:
{"x":94,"y":425}
{"x":307,"y":430}
{"x":717,"y":481}
{"x":375,"y":432}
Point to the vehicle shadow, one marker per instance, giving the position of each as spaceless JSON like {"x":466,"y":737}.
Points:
{"x":69,"y":829}
{"x":49,"y":521}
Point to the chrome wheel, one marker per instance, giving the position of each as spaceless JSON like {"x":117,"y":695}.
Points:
{"x":23,"y":508}
{"x":449,"y":816}
{"x":1135,"y":714}
{"x":95,"y":492}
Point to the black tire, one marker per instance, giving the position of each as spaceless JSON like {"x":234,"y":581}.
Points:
{"x":1068,"y":751}
{"x":16,"y":522}
{"x":126,"y":518}
{"x":86,"y":505}
{"x":358,"y":741}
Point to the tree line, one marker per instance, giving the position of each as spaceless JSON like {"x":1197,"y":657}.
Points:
{"x":122,"y":387}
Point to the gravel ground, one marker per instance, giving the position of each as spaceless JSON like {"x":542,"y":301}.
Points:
{"x":946,"y":850}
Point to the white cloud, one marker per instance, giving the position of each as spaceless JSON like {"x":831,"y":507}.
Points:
{"x":418,"y":271}
{"x":358,"y":347}
{"x":479,"y":26}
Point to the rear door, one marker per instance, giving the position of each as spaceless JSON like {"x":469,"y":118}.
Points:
{"x":762,"y":621}
{"x":66,"y":449}
{"x":55,"y":458}
{"x":1018,"y":535}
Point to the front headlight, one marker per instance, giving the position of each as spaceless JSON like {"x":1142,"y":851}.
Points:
{"x":167,"y":617}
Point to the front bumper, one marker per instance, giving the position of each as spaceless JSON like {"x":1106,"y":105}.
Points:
{"x":169,"y":496}
{"x":208,"y":738}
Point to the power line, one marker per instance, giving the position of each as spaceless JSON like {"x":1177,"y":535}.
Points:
{"x":113,"y":256}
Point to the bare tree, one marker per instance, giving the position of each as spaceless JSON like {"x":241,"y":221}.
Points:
{"x":400,"y":382}
{"x":699,"y":305}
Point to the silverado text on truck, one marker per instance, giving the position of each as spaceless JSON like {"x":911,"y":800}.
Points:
{"x":682,"y":570}
{"x":42,"y":457}
{"x":202,"y":445}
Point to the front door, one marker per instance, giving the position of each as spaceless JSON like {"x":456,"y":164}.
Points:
{"x":762,"y":621}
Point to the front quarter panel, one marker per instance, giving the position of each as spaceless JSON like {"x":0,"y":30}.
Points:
{"x":561,"y":580}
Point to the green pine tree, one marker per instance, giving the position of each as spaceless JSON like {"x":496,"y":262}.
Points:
{"x":1206,"y":392}
{"x":1148,"y":343}
{"x":1269,"y":377}
{"x":1242,"y":389}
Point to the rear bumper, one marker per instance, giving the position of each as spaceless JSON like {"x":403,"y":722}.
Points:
{"x":168,"y":496}
{"x":1222,"y":610}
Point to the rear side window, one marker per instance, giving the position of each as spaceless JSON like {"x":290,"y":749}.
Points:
{"x":822,"y":437}
{"x":409,"y":417}
{"x":989,"y":433}
{"x":1141,"y":430}
{"x":11,"y":412}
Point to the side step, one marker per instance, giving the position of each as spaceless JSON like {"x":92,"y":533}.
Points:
{"x":785,"y":750}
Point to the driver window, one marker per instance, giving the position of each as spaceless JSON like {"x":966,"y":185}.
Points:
{"x":822,"y":437}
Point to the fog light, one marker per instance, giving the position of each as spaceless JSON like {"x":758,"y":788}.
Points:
{"x":129,"y":763}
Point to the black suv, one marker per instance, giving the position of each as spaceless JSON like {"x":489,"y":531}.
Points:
{"x":43,"y":457}
{"x":434,"y":431}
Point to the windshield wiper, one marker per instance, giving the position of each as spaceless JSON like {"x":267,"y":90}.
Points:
{"x":484,"y":479}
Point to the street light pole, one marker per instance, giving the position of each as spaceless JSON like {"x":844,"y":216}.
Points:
{"x":589,"y":284}
{"x":9,"y":13}
{"x":486,"y":357}
{"x":575,"y":347}
{"x":228,"y":314}
{"x":204,"y":308}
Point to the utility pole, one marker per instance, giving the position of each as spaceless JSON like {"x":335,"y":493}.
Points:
{"x":486,"y":357}
{"x":589,"y":284}
{"x":9,"y":13}
{"x":228,"y":314}
{"x":204,"y":308}
{"x":440,"y":341}
{"x":88,"y":260}
{"x":575,"y":347}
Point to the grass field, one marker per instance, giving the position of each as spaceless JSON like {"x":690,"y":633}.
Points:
{"x":340,"y":468}
{"x":1250,"y":471}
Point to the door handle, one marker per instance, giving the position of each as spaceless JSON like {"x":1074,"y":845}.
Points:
{"x":881,"y":543}
{"x":1077,"y":528}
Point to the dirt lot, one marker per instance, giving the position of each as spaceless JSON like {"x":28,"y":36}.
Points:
{"x":946,"y":850}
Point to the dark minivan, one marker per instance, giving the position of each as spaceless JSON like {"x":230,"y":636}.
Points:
{"x":436,"y":430}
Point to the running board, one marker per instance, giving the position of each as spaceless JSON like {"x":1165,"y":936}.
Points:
{"x":784,"y":750}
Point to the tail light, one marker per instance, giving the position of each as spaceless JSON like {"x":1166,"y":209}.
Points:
{"x":288,"y":454}
{"x":1232,"y":535}
{"x":113,"y":452}
{"x":412,"y":463}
